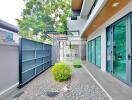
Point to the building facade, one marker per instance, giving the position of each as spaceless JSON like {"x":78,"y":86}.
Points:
{"x":108,"y":32}
{"x":8,"y":33}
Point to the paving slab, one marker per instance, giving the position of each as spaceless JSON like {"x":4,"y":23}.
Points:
{"x":114,"y":87}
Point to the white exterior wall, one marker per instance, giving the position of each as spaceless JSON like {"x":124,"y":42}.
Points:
{"x":76,"y":24}
{"x":101,"y":31}
{"x":100,"y":4}
{"x":83,"y":51}
{"x":86,"y":6}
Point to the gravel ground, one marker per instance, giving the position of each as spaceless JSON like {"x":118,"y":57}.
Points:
{"x":82,"y":87}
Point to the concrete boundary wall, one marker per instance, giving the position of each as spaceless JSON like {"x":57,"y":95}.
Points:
{"x":9,"y":68}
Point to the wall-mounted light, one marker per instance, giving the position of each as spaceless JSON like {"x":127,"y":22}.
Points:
{"x":115,"y":4}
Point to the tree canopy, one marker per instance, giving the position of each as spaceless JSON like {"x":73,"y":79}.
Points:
{"x":44,"y":15}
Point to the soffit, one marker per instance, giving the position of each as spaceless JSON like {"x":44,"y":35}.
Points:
{"x":107,"y":12}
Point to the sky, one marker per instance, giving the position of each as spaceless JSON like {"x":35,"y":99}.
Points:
{"x":10,"y":10}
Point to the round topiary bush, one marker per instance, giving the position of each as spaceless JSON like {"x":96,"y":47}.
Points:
{"x":77,"y":63}
{"x":61,"y":71}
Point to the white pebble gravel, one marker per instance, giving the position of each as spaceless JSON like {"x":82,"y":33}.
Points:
{"x":82,"y":88}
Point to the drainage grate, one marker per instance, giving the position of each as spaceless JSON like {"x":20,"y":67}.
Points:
{"x":18,"y":94}
{"x":52,"y":94}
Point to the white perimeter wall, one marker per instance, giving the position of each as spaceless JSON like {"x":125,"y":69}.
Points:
{"x":9,"y":68}
{"x":101,"y":31}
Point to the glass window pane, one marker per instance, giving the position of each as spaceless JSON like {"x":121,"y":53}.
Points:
{"x":6,"y":36}
{"x":98,"y":52}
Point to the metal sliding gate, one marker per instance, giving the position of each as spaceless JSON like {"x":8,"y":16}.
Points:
{"x":35,"y":57}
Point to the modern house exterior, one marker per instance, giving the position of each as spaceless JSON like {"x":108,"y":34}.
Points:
{"x":107,"y":29}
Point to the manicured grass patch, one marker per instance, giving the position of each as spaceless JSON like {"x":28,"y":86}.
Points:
{"x":61,"y":71}
{"x":77,"y":63}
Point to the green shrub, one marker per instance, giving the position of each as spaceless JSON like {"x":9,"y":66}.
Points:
{"x":77,"y":63}
{"x":61,"y":71}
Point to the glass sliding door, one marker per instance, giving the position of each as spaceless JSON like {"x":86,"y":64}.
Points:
{"x":108,"y":50}
{"x":89,"y":51}
{"x":98,"y":51}
{"x":131,"y":44}
{"x":93,"y":51}
{"x":119,"y":49}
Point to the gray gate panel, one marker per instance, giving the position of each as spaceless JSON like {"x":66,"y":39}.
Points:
{"x":35,"y":57}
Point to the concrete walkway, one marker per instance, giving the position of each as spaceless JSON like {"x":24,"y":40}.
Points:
{"x":114,"y":87}
{"x":82,"y":87}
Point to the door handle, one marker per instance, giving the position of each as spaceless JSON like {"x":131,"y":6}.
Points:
{"x":129,"y":57}
{"x":119,"y":56}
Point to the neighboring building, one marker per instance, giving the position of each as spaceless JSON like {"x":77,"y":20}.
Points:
{"x":8,"y":33}
{"x":108,"y":31}
{"x":75,"y":24}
